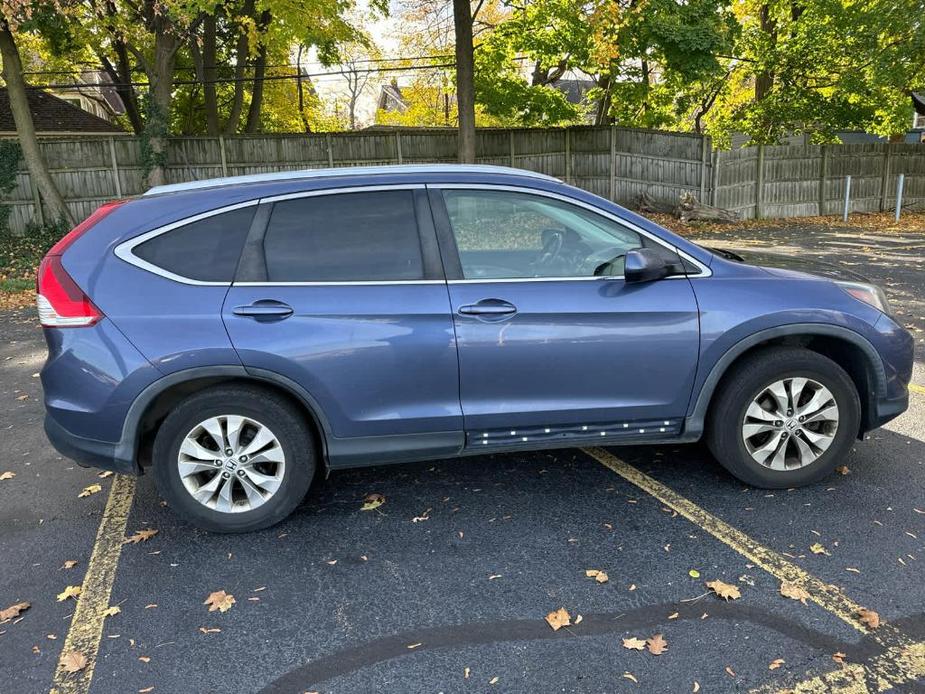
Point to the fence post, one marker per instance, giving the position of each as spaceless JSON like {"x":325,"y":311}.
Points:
{"x":398,"y":146}
{"x":327,"y":140}
{"x":714,"y":192}
{"x":823,"y":174}
{"x":704,"y":164}
{"x":613,"y":163}
{"x":759,"y":184}
{"x":568,"y":156}
{"x":511,"y":137}
{"x":115,"y":167}
{"x":847,"y":198}
{"x":221,"y":149}
{"x":885,"y":178}
{"x":899,"y":194}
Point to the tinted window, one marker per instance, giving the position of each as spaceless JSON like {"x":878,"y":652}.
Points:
{"x":344,"y":237}
{"x":206,"y":250}
{"x":504,"y":235}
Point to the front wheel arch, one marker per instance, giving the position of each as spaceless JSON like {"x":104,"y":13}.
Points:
{"x":850,"y":350}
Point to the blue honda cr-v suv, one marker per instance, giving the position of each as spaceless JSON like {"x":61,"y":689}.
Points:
{"x":238,"y":335}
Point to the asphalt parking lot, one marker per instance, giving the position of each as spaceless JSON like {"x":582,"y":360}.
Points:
{"x":445,"y":587}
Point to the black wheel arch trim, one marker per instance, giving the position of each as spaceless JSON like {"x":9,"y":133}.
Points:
{"x":128,"y":446}
{"x":694,"y":423}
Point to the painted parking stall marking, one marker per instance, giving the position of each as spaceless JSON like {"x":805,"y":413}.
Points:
{"x":903,"y":660}
{"x":86,"y":628}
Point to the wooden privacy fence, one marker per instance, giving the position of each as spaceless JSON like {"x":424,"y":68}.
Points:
{"x":615,"y":163}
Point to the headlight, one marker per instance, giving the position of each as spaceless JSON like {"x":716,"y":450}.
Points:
{"x":868,"y":293}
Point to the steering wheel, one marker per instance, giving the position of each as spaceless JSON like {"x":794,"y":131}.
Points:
{"x":553,"y":240}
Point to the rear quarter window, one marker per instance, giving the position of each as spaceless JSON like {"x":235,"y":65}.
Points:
{"x":206,"y":250}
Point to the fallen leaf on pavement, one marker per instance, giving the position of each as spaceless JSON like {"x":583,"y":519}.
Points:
{"x":372,"y":501}
{"x":144,"y":658}
{"x":412,"y":646}
{"x":793,"y":591}
{"x":730,"y":671}
{"x":724,"y":590}
{"x":12,"y":612}
{"x":839,"y":657}
{"x":776,"y":663}
{"x":558,"y":619}
{"x":693,"y":573}
{"x":597,"y":575}
{"x":69,"y":592}
{"x":843,"y":470}
{"x":696,"y":687}
{"x":7,"y":475}
{"x":112,"y":611}
{"x":816,"y":548}
{"x":657,"y":644}
{"x":634,"y":644}
{"x":105,"y":473}
{"x":869,"y":617}
{"x":630,"y":676}
{"x":72,"y":661}
{"x":87,"y":491}
{"x":140,"y":536}
{"x":493,"y":680}
{"x":219,"y":600}
{"x":146,"y":690}
{"x":673,"y":615}
{"x":209,"y":630}
{"x":69,"y":564}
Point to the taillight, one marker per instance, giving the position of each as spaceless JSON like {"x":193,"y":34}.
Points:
{"x":61,"y":303}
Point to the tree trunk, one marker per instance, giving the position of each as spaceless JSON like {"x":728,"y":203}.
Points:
{"x":154,"y":147}
{"x":602,"y":112}
{"x":298,"y":81}
{"x":465,"y":80}
{"x":209,"y":74}
{"x":764,"y":81}
{"x":120,"y":74}
{"x":252,"y":124}
{"x":25,"y":128}
{"x":241,"y":55}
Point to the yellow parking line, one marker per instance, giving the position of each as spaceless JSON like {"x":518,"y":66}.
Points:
{"x":86,"y":628}
{"x":903,"y":660}
{"x":915,"y":388}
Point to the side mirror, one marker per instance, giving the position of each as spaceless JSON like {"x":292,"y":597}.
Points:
{"x":645,"y":265}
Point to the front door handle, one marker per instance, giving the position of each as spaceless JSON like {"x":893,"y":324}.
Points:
{"x":489,"y":308}
{"x":264,"y":309}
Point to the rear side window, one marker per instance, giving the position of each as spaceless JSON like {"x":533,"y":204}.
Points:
{"x":344,"y":237}
{"x":206,"y":250}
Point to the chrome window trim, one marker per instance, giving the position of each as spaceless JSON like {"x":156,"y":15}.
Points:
{"x":704,"y":270}
{"x":124,"y":250}
{"x":336,"y":283}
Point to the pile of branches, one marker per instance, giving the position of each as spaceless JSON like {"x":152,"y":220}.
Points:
{"x":688,"y":209}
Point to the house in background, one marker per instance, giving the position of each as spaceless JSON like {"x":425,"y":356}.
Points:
{"x":93,"y":92}
{"x":54,"y":117}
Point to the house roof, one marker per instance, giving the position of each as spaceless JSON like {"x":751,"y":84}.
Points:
{"x":53,"y":115}
{"x":574,"y":89}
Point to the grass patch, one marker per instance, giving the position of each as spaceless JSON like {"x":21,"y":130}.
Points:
{"x":17,"y":284}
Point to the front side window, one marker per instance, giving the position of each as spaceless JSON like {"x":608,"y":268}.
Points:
{"x":508,"y":235}
{"x":206,"y":250}
{"x":344,"y":237}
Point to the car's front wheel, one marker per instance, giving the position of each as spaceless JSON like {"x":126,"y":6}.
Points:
{"x":234,"y":459}
{"x":783,"y":417}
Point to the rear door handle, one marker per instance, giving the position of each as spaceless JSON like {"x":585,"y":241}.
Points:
{"x":490,"y":308}
{"x":266,"y":309}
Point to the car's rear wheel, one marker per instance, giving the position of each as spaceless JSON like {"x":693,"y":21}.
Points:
{"x":234,"y":459}
{"x":783,"y":417}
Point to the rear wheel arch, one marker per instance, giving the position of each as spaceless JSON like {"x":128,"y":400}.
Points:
{"x":156,"y":401}
{"x":850,"y":350}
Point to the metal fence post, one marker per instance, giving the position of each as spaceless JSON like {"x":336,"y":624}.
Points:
{"x":899,"y":194}
{"x":847,"y":198}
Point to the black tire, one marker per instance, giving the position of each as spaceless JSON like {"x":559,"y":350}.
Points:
{"x":289,"y":428}
{"x":745,"y":381}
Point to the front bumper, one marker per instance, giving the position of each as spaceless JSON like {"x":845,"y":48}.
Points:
{"x":88,"y":452}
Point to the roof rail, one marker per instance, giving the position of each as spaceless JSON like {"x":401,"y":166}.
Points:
{"x":345,"y":171}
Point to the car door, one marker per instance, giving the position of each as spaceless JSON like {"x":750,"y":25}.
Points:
{"x":552,"y":341}
{"x":343,"y":293}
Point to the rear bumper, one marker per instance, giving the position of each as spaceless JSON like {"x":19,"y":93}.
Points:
{"x":88,"y":452}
